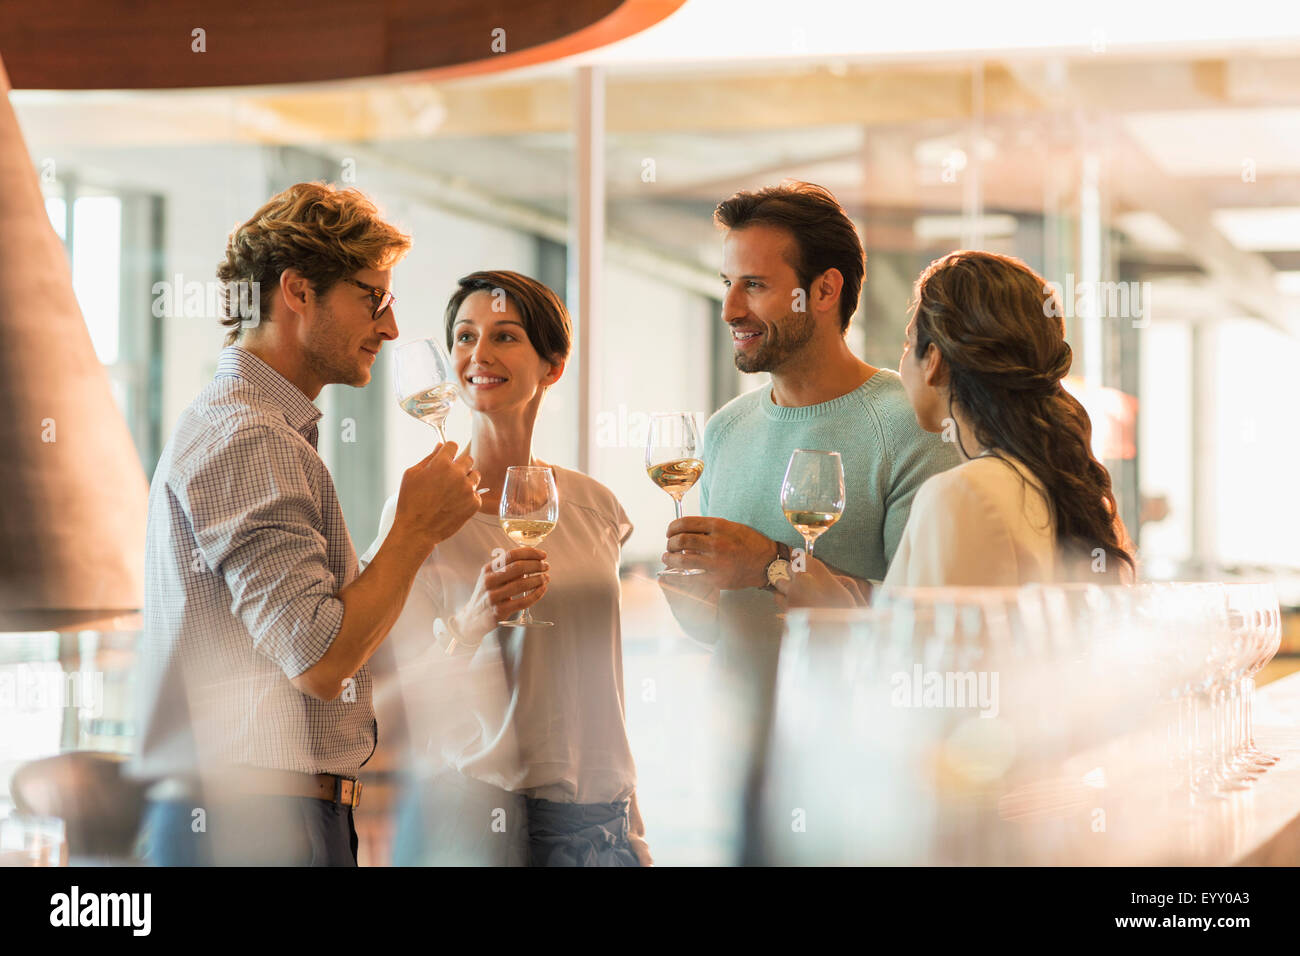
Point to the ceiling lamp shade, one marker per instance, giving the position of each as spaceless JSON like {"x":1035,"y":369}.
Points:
{"x":73,"y":496}
{"x":169,"y":44}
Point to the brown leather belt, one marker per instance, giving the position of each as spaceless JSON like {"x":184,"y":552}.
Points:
{"x":265,"y":782}
{"x":322,"y":786}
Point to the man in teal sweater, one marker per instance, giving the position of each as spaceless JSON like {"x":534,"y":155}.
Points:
{"x":793,"y":268}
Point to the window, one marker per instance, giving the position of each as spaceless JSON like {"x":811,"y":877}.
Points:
{"x":112,"y":240}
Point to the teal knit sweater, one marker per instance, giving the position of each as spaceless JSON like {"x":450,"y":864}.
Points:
{"x":748,"y":442}
{"x":746,"y":447}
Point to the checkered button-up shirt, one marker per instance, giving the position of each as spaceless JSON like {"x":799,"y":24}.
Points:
{"x":246,"y":551}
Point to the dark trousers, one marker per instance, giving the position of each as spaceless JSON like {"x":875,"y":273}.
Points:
{"x":249,"y":831}
{"x":454,"y":820}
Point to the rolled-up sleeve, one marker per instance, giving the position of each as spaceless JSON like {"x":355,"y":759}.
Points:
{"x":386,"y":518}
{"x":257,"y":523}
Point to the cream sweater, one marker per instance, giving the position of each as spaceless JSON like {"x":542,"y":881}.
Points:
{"x":984,"y":523}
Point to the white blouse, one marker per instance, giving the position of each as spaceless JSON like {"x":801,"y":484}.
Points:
{"x":985,"y":523}
{"x":538,"y":711}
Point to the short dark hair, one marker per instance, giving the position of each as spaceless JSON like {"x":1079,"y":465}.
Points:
{"x":546,"y":320}
{"x":823,"y":233}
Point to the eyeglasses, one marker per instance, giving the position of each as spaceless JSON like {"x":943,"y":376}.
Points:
{"x":383,"y":298}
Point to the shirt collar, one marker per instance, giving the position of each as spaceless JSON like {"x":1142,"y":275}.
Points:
{"x":301,"y":413}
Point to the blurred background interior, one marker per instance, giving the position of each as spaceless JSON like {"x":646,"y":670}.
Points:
{"x":1109,"y":150}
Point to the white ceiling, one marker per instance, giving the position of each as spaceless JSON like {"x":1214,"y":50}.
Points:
{"x":774,"y":29}
{"x":1219,"y":142}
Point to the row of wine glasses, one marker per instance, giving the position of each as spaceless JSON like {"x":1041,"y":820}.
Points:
{"x":425,"y":381}
{"x":1003,"y":725}
{"x":1218,"y":737}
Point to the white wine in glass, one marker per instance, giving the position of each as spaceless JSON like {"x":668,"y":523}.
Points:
{"x":432,"y":405}
{"x":530,"y":507}
{"x":811,"y":524}
{"x":425,"y":382}
{"x":677,"y":477}
{"x":527,"y":532}
{"x":812,"y":494}
{"x":671,"y":461}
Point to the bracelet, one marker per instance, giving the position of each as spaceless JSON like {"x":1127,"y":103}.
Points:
{"x":454,"y":637}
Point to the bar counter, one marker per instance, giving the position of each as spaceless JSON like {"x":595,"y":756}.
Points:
{"x":1257,"y":826}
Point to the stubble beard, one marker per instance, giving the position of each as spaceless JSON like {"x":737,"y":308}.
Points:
{"x":787,"y":337}
{"x":326,"y":355}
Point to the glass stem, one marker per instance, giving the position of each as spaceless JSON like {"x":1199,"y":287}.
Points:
{"x":677,"y":503}
{"x":1248,"y":711}
{"x":1238,"y":722}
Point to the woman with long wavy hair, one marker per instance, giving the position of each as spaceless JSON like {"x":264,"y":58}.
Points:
{"x":983,"y":365}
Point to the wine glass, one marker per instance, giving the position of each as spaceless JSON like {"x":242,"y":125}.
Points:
{"x":425,"y":382}
{"x":672,"y":461}
{"x":812,"y":494}
{"x":1266,"y":629}
{"x":839,"y":749}
{"x":530,"y":506}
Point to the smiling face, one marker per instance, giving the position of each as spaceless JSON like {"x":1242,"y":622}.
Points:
{"x":759,"y":303}
{"x":341,"y":338}
{"x":496,"y":365}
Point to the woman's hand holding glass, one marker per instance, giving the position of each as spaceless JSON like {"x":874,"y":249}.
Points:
{"x":815,"y":586}
{"x":509,"y":583}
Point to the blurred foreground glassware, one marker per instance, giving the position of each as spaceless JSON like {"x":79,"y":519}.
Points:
{"x":32,"y":841}
{"x":982,"y":724}
{"x":843,"y":785}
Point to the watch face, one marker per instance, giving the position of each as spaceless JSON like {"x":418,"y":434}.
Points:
{"x":778,"y":570}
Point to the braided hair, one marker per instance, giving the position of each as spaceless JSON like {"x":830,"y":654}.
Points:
{"x":997,"y":325}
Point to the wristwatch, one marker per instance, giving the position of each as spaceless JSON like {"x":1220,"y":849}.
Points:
{"x":778,"y":569}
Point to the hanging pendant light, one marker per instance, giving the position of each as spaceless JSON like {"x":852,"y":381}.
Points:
{"x":73,"y":495}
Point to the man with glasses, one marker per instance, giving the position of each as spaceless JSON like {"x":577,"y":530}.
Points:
{"x":253,"y":682}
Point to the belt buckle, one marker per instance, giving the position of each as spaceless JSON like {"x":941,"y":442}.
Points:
{"x":356,"y":792}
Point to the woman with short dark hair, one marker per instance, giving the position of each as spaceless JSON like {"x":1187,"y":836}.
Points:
{"x":527,"y":752}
